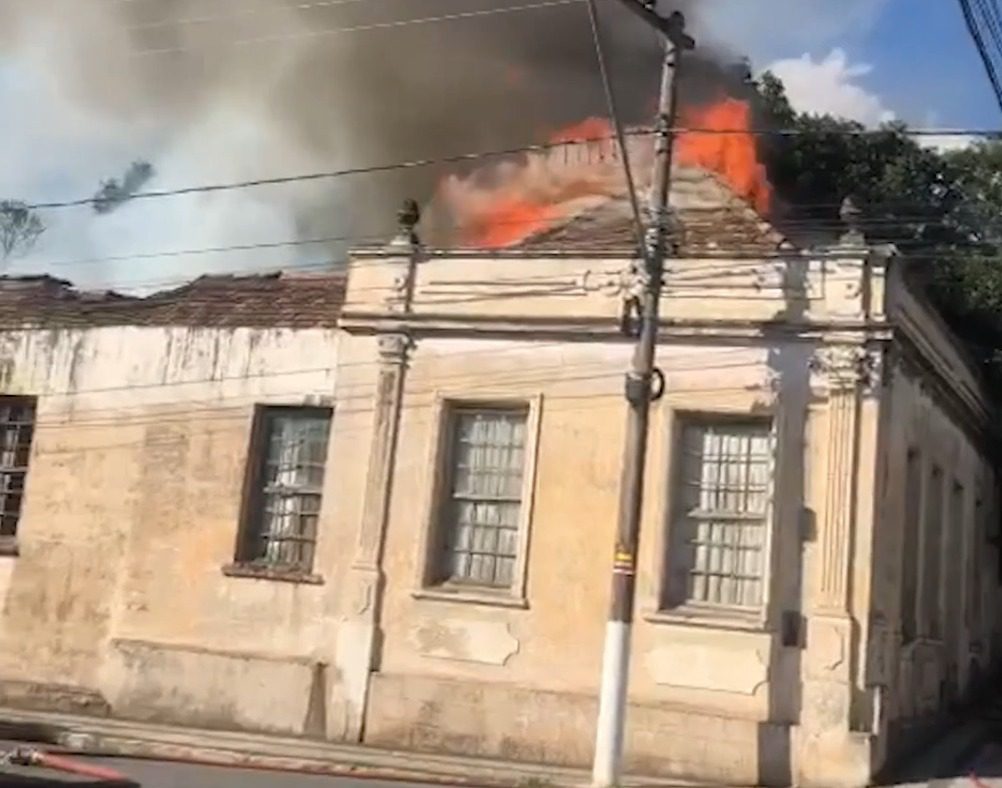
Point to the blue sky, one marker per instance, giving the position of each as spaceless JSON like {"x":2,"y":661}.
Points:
{"x":926,"y":67}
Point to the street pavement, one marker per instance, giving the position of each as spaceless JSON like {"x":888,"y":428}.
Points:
{"x":983,"y":769}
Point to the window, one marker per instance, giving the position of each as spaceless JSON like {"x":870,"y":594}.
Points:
{"x":17,"y":427}
{"x":951,"y":573}
{"x":973,"y":605}
{"x":911,"y":538}
{"x":480,"y":512}
{"x":719,"y":534}
{"x":932,"y":546}
{"x":284,"y":483}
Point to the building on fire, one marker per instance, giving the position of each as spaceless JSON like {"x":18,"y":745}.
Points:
{"x":382,"y":508}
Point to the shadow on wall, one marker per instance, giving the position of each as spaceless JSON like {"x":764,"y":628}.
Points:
{"x":969,"y":744}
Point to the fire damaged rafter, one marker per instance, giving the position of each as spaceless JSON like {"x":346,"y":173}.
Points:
{"x":672,"y":26}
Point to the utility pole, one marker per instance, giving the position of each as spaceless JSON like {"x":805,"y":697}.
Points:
{"x":639,"y":394}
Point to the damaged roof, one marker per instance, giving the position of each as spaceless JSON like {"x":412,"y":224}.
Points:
{"x":267,"y":300}
{"x":713,"y":221}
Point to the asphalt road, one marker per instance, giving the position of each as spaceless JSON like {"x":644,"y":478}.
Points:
{"x":157,"y":774}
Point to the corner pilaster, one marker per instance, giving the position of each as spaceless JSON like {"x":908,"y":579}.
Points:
{"x":832,"y":752}
{"x":358,"y":645}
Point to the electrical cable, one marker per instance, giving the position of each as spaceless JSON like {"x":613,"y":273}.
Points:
{"x":474,"y":156}
{"x":397,"y":23}
{"x":200,"y":20}
{"x":610,"y":100}
{"x":979,"y":43}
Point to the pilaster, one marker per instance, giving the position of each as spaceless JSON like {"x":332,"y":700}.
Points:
{"x":832,"y":751}
{"x":358,"y":646}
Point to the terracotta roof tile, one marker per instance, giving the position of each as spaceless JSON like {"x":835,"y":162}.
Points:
{"x":713,"y":221}
{"x":280,"y":300}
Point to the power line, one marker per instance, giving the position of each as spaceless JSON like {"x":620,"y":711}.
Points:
{"x":610,"y":100}
{"x":975,"y":32}
{"x":328,"y":174}
{"x":244,"y":12}
{"x":396,"y":23}
{"x":749,"y":252}
{"x":497,"y":153}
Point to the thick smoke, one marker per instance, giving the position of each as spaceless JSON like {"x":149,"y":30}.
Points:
{"x":219,"y":90}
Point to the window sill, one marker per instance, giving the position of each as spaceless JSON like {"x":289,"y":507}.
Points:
{"x":272,"y":573}
{"x":472,"y":597}
{"x":8,"y":546}
{"x":709,"y":619}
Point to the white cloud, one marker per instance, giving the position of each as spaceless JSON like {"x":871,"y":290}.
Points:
{"x":769,"y":29}
{"x":831,"y":86}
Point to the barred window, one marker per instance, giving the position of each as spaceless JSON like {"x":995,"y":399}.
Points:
{"x":719,"y":534}
{"x":17,"y":428}
{"x":480,"y":512}
{"x":286,"y":475}
{"x":911,"y":533}
{"x":973,"y":604}
{"x":932,"y":554}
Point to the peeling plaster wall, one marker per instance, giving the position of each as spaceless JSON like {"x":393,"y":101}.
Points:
{"x":916,"y":672}
{"x":131,"y":510}
{"x":507,"y":681}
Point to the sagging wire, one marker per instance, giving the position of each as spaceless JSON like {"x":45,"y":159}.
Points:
{"x":632,"y":306}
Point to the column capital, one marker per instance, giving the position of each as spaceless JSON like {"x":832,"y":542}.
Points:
{"x":394,"y":348}
{"x":844,"y":367}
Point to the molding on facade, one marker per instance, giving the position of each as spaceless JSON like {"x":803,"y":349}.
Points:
{"x":591,"y":329}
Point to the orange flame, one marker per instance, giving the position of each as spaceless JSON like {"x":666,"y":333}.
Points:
{"x":733,"y":156}
{"x":523,"y":207}
{"x":553,"y":186}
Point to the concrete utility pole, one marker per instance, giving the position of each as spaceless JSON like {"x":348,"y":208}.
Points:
{"x":639,"y":394}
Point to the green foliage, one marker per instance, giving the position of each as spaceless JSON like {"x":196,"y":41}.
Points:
{"x":942,"y":210}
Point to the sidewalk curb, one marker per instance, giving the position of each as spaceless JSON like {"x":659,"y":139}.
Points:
{"x":114,"y":738}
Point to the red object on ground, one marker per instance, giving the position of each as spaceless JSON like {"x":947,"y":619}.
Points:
{"x":977,"y":782}
{"x":70,"y":766}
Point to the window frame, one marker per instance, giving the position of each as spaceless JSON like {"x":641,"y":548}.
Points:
{"x":910,"y":598}
{"x":706,"y":613}
{"x":251,"y":499}
{"x":934,"y":510}
{"x":8,"y":542}
{"x":439,"y":470}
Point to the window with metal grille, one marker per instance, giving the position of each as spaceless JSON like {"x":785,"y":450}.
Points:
{"x":480,"y":512}
{"x":973,"y":604}
{"x":17,"y":427}
{"x":911,"y":538}
{"x":932,"y":554}
{"x":719,"y":534}
{"x":284,"y":487}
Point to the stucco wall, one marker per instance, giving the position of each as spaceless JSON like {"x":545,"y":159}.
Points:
{"x":920,"y":423}
{"x":554,"y":645}
{"x":132,"y":509}
{"x":935,"y":406}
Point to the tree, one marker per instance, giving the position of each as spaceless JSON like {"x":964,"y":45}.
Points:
{"x":20,"y":228}
{"x":114,"y":193}
{"x":942,"y":210}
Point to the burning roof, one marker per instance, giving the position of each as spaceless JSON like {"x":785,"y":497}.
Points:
{"x":713,"y":222}
{"x":515,"y":202}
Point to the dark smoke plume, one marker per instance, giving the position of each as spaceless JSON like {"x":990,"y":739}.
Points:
{"x":377,"y":92}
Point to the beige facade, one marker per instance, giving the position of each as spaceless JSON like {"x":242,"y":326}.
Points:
{"x":817,"y":577}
